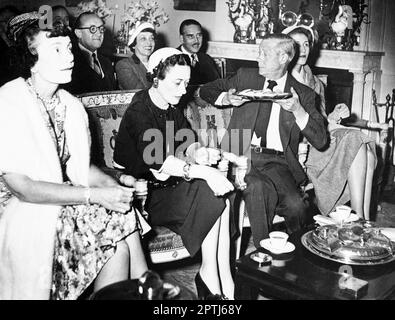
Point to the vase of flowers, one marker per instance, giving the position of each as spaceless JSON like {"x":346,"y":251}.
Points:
{"x":97,"y":6}
{"x":141,"y":11}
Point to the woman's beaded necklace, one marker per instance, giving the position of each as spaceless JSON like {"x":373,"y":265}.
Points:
{"x":54,"y":113}
{"x":49,"y":104}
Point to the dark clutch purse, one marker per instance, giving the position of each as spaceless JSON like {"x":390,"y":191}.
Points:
{"x":157,"y":184}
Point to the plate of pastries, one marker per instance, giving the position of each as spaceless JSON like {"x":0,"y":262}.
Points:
{"x":354,"y":243}
{"x":263,"y":95}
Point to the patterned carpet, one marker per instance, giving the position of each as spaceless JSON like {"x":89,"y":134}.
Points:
{"x":183,"y":272}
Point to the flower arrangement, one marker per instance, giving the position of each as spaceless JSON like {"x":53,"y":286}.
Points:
{"x":137,"y":12}
{"x":97,"y":6}
{"x":144,"y":11}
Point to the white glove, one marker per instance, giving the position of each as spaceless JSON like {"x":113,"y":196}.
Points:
{"x":216,"y":180}
{"x":207,"y":156}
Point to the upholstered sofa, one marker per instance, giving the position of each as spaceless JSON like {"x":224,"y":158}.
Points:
{"x":105,"y":111}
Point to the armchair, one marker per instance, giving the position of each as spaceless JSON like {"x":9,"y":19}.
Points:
{"x":105,"y":111}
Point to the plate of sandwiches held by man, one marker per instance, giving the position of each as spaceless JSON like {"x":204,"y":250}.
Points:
{"x":264,"y":95}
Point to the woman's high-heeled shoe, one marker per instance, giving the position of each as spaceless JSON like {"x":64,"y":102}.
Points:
{"x":203,"y":291}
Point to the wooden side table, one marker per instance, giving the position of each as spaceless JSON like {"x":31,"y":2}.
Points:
{"x":303,"y":275}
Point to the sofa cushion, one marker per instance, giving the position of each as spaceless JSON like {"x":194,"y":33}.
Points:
{"x":208,"y":121}
{"x":165,"y":245}
{"x":105,"y":111}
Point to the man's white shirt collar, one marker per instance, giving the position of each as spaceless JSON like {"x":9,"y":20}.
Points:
{"x":183,"y":50}
{"x":86,"y":51}
{"x":280,"y":83}
{"x":89,"y":54}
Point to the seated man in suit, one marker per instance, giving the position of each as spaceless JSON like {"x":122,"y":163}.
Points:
{"x":92,"y":71}
{"x":269,"y":134}
{"x":203,"y":67}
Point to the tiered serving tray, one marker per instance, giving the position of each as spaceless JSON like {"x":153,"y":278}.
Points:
{"x":351,"y":244}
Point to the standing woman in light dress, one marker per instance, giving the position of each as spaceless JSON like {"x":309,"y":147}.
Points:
{"x":64,"y":224}
{"x":132,"y":72}
{"x":344,"y":171}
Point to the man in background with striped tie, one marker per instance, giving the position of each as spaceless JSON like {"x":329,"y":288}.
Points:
{"x":203,"y":67}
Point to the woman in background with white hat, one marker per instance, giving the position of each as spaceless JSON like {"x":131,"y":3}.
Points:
{"x":132,"y":72}
{"x":185,"y":194}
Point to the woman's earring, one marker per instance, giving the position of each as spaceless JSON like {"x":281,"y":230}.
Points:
{"x":155,"y":84}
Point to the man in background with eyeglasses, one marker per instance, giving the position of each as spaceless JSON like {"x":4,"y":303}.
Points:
{"x":92,"y":71}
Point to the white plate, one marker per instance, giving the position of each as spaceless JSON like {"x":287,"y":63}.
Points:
{"x":325,"y":220}
{"x":263,"y":95}
{"x":389,"y":233}
{"x":265,"y":243}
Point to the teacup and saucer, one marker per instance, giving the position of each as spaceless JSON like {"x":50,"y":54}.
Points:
{"x":277,"y":243}
{"x":342,"y":215}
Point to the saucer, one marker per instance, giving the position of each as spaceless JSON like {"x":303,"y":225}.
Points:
{"x":265,"y":243}
{"x":326,"y":220}
{"x":389,"y":233}
{"x":351,"y":218}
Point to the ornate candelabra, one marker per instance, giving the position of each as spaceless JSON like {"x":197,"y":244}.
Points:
{"x":264,"y":22}
{"x":252,"y":19}
{"x":122,"y":37}
{"x":345,"y":28}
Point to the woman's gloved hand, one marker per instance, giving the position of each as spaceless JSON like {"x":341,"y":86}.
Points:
{"x":207,"y":156}
{"x":216,"y":180}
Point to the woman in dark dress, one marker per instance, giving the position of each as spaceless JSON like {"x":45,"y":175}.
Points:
{"x":185,"y":196}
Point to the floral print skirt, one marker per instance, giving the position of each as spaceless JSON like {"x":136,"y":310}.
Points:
{"x":86,"y":238}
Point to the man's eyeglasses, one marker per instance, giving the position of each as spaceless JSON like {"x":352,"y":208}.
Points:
{"x":93,"y":29}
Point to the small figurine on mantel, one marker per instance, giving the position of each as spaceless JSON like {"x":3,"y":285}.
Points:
{"x":242,"y":17}
{"x":244,"y":21}
{"x":264,"y":24}
{"x":342,"y":26}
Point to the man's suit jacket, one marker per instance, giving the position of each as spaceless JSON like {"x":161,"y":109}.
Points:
{"x":131,"y":74}
{"x":206,"y":69}
{"x":244,"y":117}
{"x":85,"y":79}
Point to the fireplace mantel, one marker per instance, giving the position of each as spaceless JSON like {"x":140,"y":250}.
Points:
{"x":365,"y":66}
